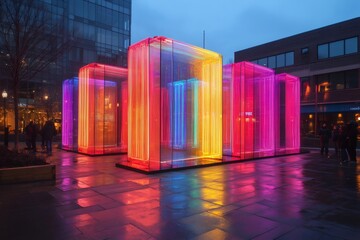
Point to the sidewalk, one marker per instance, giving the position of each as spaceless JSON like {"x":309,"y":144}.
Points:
{"x":301,"y":196}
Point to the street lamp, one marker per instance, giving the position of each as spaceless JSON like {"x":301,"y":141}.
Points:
{"x":46,"y":97}
{"x":4,"y":96}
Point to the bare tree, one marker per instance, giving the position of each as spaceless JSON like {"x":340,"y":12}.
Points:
{"x":29,"y":43}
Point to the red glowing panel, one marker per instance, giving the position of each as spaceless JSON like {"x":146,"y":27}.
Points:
{"x":287,"y":114}
{"x":102,"y":124}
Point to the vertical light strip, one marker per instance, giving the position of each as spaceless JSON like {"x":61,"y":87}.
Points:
{"x":195,"y":112}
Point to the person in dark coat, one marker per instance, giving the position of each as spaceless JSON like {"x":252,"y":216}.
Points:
{"x":325,"y":135}
{"x":335,"y":138}
{"x":343,"y":143}
{"x":30,"y":136}
{"x":352,"y":139}
{"x":49,"y":132}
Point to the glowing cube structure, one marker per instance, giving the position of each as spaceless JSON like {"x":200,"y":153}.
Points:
{"x":248,"y":110}
{"x":69,"y":126}
{"x":102,"y":109}
{"x":287,"y":114}
{"x":174,"y":105}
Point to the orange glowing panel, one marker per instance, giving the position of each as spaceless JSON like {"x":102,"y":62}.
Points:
{"x":174,"y":98}
{"x":102,"y":126}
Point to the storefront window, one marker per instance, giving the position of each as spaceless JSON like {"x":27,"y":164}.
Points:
{"x":323,"y":83}
{"x":337,"y":80}
{"x":352,"y":79}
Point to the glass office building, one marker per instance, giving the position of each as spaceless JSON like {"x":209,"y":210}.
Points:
{"x":99,"y":31}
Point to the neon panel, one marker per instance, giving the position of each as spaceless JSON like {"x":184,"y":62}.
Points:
{"x":175,"y":92}
{"x":287,"y":114}
{"x":248,"y":110}
{"x":102,"y":110}
{"x":70,"y":114}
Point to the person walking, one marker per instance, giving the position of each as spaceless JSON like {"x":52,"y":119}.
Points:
{"x":325,"y":135}
{"x":343,"y":143}
{"x":336,"y":141}
{"x":49,"y":132}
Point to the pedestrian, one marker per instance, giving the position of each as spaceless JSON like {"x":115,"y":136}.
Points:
{"x":325,"y":135}
{"x":352,"y":139}
{"x":49,"y":132}
{"x":30,"y":136}
{"x":343,"y":143}
{"x":335,"y":139}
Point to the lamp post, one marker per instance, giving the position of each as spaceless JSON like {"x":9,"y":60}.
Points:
{"x":4,"y":96}
{"x":46,"y":97}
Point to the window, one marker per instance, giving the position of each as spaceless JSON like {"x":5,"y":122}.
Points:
{"x":306,"y":88}
{"x":337,"y":80}
{"x":336,"y":48}
{"x":351,"y":45}
{"x":323,"y":83}
{"x":323,"y":51}
{"x":262,"y":62}
{"x":280,"y":60}
{"x":289,"y":58}
{"x":272,"y":62}
{"x":351,"y":79}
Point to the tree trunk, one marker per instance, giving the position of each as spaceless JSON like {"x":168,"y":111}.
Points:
{"x":16,"y":104}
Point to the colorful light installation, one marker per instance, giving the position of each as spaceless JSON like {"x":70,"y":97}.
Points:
{"x":287,"y":110}
{"x":70,"y":114}
{"x":248,"y":110}
{"x":102,"y":109}
{"x":175,"y":94}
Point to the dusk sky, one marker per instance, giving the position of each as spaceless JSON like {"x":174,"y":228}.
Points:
{"x":232,"y":25}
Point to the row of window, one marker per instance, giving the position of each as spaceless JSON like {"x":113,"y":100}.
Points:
{"x":330,"y":81}
{"x":277,"y":61}
{"x":327,"y":50}
{"x":338,"y":48}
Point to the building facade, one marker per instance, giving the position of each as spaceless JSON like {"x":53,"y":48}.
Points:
{"x":327,"y":60}
{"x":98,"y":30}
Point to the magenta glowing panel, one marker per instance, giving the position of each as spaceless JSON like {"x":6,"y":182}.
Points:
{"x":248,"y":110}
{"x":287,"y":114}
{"x":102,"y":127}
{"x":69,"y":125}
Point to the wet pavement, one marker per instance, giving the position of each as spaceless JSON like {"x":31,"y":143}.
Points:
{"x":302,"y":196}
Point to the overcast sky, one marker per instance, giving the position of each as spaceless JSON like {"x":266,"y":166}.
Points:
{"x":232,"y":25}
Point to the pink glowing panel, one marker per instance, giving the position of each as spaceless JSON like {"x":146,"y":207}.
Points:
{"x":70,"y":114}
{"x":287,"y":114}
{"x":248,"y":110}
{"x":174,"y":105}
{"x":102,"y":109}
